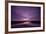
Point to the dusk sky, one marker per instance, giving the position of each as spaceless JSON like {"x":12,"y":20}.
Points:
{"x":21,"y":12}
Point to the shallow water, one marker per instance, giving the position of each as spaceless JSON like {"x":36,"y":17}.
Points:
{"x":23,"y":24}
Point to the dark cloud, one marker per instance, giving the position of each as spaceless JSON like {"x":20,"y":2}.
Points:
{"x":19,"y":12}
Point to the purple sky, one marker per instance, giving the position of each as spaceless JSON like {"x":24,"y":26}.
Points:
{"x":19,"y":12}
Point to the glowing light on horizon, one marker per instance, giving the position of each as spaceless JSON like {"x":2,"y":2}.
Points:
{"x":26,"y":19}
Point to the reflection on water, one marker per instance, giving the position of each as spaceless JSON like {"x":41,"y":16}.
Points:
{"x":22,"y":24}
